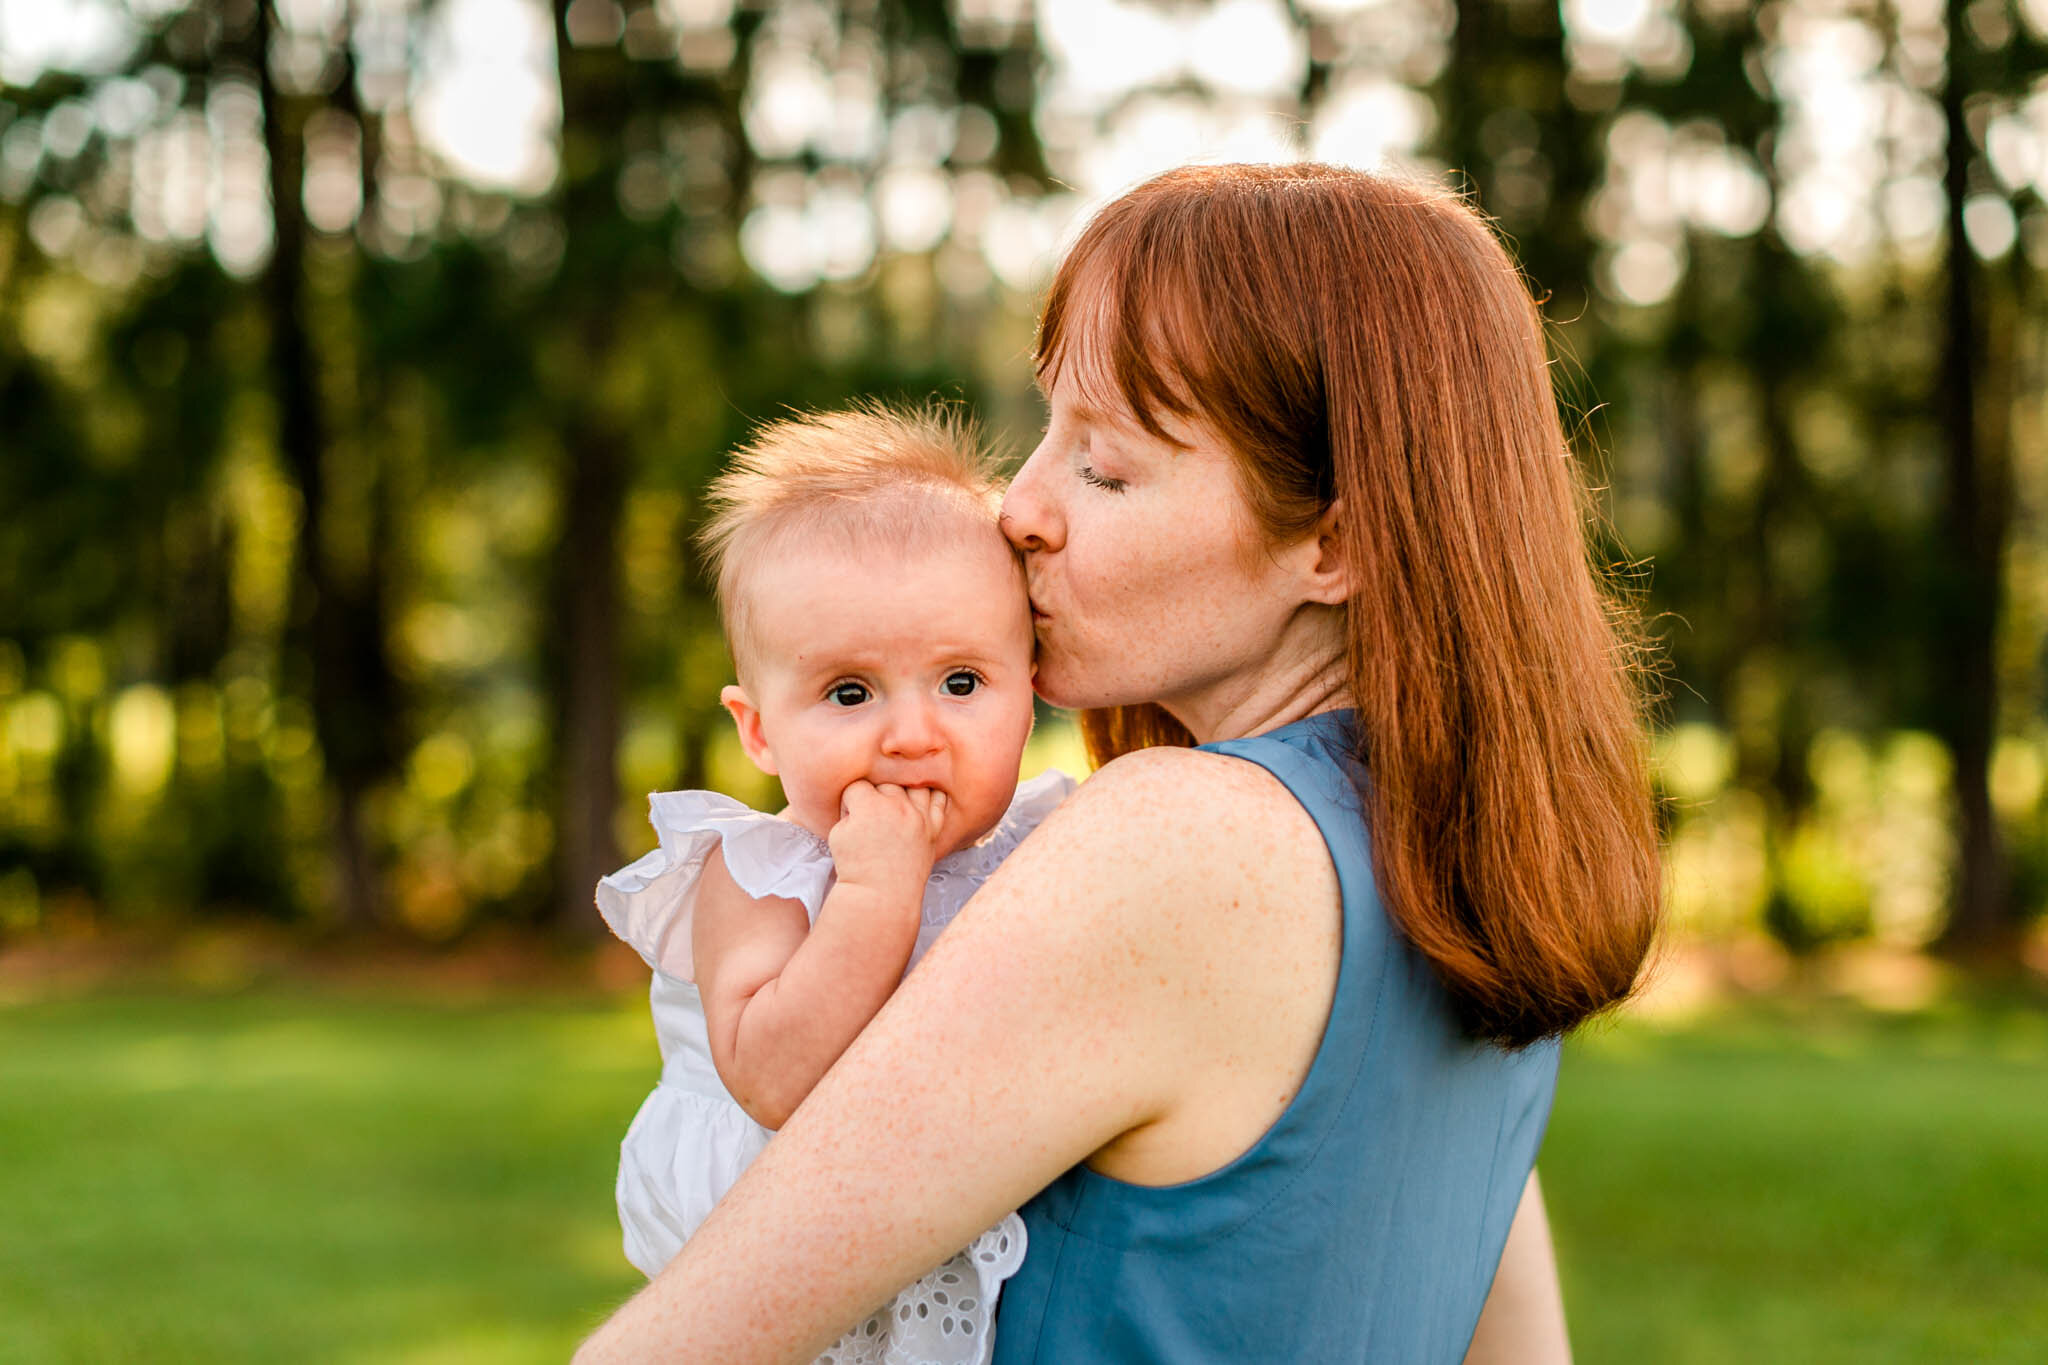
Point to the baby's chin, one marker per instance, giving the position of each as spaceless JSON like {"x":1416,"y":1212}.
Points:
{"x":967,"y":841}
{"x":984,"y":824}
{"x":811,"y":821}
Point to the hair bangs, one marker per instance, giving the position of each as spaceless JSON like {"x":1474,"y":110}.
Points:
{"x":1120,"y":325}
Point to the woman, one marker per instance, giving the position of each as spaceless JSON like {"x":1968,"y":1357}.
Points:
{"x":1272,"y":1089}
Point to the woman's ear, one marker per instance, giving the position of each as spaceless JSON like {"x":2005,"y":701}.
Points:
{"x":1330,"y":577}
{"x":746,"y":718}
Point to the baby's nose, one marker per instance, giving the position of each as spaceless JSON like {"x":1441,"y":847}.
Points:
{"x":912,"y":731}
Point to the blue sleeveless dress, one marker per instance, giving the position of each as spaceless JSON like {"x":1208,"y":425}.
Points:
{"x":1365,"y":1225}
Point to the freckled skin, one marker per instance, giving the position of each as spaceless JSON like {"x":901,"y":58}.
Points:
{"x":1148,"y":584}
{"x":1142,"y":985}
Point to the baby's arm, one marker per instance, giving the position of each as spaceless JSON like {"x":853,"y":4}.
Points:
{"x":783,"y":998}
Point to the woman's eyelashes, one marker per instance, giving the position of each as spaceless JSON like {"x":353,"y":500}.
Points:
{"x":1094,"y":480}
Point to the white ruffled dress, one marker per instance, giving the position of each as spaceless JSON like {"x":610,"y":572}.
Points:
{"x":691,"y":1140}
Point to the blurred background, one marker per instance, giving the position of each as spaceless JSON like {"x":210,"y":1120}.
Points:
{"x":362,"y":361}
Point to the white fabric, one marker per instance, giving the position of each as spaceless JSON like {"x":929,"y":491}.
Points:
{"x":691,"y":1140}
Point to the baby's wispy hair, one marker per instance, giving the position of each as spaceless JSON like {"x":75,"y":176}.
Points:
{"x":874,"y":477}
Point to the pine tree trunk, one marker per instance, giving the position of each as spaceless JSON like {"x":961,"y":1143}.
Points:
{"x":594,"y":478}
{"x":587,"y":627}
{"x":340,"y":629}
{"x":1982,"y":918}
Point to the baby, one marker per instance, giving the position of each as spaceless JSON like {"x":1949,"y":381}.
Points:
{"x":882,"y":637}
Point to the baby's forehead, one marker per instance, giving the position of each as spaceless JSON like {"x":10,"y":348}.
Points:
{"x":927,"y":592}
{"x":910,"y":572}
{"x":915,"y":532}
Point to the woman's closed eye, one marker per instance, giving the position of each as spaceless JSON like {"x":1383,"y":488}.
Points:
{"x":962,"y":682}
{"x":1102,"y":481}
{"x":847,"y":693}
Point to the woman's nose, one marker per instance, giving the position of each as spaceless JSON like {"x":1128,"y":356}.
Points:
{"x":1029,"y":518}
{"x":912,"y":730}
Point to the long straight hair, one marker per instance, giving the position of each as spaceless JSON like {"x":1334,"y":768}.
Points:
{"x":1365,"y":341}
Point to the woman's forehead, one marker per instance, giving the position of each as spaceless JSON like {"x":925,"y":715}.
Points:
{"x":1093,"y":399}
{"x":1120,"y":356}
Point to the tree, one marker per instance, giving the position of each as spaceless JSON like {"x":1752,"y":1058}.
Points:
{"x":1990,"y":54}
{"x":342,"y":624}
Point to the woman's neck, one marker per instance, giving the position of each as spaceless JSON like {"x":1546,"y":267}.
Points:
{"x":1305,"y":675}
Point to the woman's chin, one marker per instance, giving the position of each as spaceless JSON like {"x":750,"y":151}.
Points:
{"x":1055,"y":689}
{"x":1063,"y":684}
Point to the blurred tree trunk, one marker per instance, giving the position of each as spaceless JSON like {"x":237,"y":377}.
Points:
{"x":1529,"y":154}
{"x":340,"y":623}
{"x":1976,"y":519}
{"x":1773,"y":760}
{"x":587,"y":628}
{"x":589,"y":677}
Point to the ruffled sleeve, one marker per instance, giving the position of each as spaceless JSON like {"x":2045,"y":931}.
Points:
{"x":1034,"y":801}
{"x":649,"y":902}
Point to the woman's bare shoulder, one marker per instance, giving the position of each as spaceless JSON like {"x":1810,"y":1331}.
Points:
{"x":1184,"y":905}
{"x":1162,"y":781}
{"x":1174,"y":833}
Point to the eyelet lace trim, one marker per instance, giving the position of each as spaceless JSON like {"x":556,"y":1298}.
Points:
{"x":947,"y":1317}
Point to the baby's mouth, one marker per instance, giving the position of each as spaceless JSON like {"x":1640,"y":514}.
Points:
{"x":908,"y":786}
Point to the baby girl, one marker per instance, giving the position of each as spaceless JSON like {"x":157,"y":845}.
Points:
{"x":881,"y":634}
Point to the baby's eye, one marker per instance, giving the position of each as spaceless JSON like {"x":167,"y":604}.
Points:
{"x":962,"y":683}
{"x":847,"y":693}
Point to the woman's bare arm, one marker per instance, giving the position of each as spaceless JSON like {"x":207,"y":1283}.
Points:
{"x":1523,"y":1322}
{"x":1068,"y":1005}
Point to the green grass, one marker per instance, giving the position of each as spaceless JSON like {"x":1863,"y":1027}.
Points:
{"x":281,"y":1177}
{"x":312,"y":1176}
{"x":1806,"y":1188}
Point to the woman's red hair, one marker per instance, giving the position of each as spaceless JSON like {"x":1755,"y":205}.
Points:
{"x":1366,"y":341}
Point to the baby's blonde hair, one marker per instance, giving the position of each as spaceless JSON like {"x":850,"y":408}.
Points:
{"x":871,"y":477}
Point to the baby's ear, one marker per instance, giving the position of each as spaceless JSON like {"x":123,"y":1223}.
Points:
{"x":746,"y":718}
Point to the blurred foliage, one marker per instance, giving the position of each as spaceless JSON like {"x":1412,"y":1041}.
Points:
{"x":345,"y":572}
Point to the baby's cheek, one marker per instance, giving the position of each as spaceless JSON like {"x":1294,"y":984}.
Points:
{"x":811,"y":801}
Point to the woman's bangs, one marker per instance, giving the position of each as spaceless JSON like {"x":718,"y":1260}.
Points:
{"x":1125,"y":337}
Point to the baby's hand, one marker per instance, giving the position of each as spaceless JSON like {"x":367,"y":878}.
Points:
{"x":887,"y":837}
